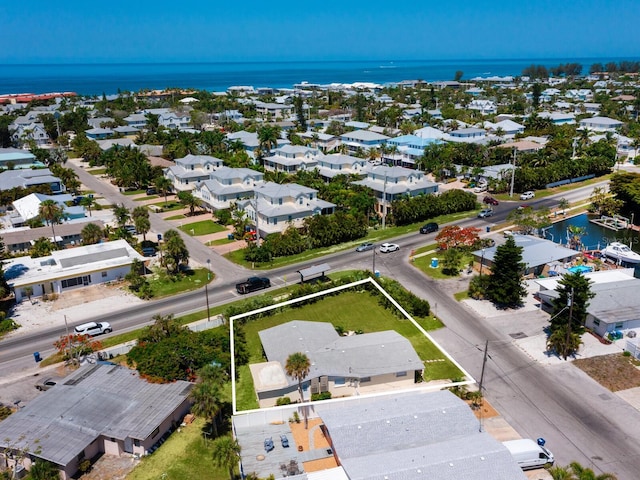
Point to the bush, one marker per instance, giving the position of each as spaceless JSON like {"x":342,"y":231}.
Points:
{"x":7,"y":325}
{"x":320,"y":396}
{"x":283,"y":401}
{"x":478,"y":287}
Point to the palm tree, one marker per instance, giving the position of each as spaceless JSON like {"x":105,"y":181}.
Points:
{"x":207,"y":402}
{"x":122,"y":215}
{"x":87,"y":202}
{"x":564,"y":203}
{"x":268,"y":137}
{"x":561,"y":473}
{"x":50,"y":211}
{"x":226,"y":453}
{"x":163,"y":185}
{"x":298,"y":366}
{"x":574,"y":234}
{"x":140,"y":216}
{"x":584,"y":473}
{"x":91,"y":234}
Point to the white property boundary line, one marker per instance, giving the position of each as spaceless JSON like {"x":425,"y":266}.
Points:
{"x":232,"y":319}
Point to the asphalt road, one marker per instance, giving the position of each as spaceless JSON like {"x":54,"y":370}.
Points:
{"x":580,"y":420}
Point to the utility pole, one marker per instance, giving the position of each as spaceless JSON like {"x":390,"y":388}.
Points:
{"x":374,"y":259}
{"x":206,"y":287}
{"x":66,"y":326}
{"x":566,"y":346}
{"x":255,"y":198}
{"x":513,"y":172}
{"x":484,"y":363}
{"x":384,"y":202}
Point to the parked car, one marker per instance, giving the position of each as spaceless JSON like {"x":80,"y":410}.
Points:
{"x":364,"y":247}
{"x":252,"y":284}
{"x":151,"y":191}
{"x":429,"y":227}
{"x":528,"y":195}
{"x":149,"y":251}
{"x":480,"y":189}
{"x":490,"y":200}
{"x":485,"y":213}
{"x":45,"y":384}
{"x":93,"y":328}
{"x":389,"y":247}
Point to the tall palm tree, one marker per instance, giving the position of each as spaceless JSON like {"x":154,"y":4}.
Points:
{"x":140,"y":216}
{"x":207,"y":402}
{"x":575,"y":234}
{"x":52,"y":213}
{"x":298,"y":366}
{"x":87,"y":202}
{"x":91,"y":234}
{"x":561,"y":473}
{"x":226,"y":453}
{"x":163,"y":185}
{"x":122,"y":215}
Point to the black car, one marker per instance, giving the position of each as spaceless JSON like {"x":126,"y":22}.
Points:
{"x":252,"y":284}
{"x":429,"y":227}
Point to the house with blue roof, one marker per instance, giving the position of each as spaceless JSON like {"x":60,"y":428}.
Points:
{"x":16,"y":158}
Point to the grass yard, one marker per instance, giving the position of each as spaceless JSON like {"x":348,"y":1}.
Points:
{"x":186,"y":455}
{"x":203,"y":227}
{"x":424,"y":265}
{"x":220,"y":241}
{"x":168,"y":207}
{"x":144,"y":199}
{"x":352,"y":310}
{"x":97,"y":171}
{"x":134,"y":192}
{"x":162,"y":285}
{"x":176,"y":217}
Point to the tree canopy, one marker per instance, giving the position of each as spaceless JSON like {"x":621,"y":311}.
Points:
{"x":505,"y":285}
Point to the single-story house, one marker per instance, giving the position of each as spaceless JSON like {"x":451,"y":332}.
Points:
{"x":536,"y":254}
{"x":616,"y":305}
{"x":70,"y":269}
{"x":600,"y":124}
{"x":25,"y":178}
{"x":342,"y":365}
{"x":29,"y":207}
{"x":99,"y":409}
{"x":67,"y":234}
{"x":17,"y":158}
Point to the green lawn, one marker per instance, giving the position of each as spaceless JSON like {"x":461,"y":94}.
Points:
{"x":97,"y":171}
{"x":220,"y":241}
{"x":204,"y":227}
{"x":424,"y":265}
{"x":133,"y":192}
{"x":143,"y":199}
{"x":169,"y":206}
{"x":176,"y":217}
{"x":162,"y":285}
{"x":351,"y":310}
{"x":186,"y":455}
{"x":461,"y":295}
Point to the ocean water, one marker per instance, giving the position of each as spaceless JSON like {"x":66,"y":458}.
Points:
{"x":96,"y":79}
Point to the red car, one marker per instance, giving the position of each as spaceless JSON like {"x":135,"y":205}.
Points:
{"x":490,"y":200}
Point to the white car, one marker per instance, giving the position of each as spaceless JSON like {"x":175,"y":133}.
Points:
{"x":93,"y":328}
{"x":527,"y":195}
{"x":389,"y":247}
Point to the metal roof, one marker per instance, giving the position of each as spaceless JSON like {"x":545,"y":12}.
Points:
{"x":96,"y":400}
{"x":414,"y":435}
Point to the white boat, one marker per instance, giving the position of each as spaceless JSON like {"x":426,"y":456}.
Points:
{"x":621,"y":252}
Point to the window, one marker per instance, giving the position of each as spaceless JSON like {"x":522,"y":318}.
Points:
{"x":619,"y":325}
{"x":596,"y":322}
{"x":155,"y":433}
{"x":401,"y":374}
{"x":338,"y":381}
{"x":365,"y":379}
{"x":104,"y":274}
{"x":136,"y":442}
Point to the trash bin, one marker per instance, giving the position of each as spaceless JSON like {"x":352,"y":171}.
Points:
{"x":434,"y":262}
{"x":36,"y":356}
{"x":488,"y":229}
{"x":541,"y":441}
{"x":377,"y":273}
{"x":230,"y":236}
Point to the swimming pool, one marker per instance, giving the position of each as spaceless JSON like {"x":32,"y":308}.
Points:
{"x":580,"y":268}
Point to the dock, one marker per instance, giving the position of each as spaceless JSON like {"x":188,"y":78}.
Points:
{"x":616,"y":222}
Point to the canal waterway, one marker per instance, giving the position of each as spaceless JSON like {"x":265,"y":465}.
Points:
{"x":597,"y":237}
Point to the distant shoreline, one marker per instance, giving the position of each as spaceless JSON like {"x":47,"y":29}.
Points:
{"x":109,"y":78}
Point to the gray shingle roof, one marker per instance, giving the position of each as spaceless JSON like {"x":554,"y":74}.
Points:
{"x":96,"y":400}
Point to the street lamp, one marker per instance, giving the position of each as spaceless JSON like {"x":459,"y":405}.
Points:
{"x":206,"y":287}
{"x":482,"y":261}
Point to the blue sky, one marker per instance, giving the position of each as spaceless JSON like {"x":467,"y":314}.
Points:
{"x":72,"y":31}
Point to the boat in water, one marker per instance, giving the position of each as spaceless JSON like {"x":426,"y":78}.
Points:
{"x":621,"y":253}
